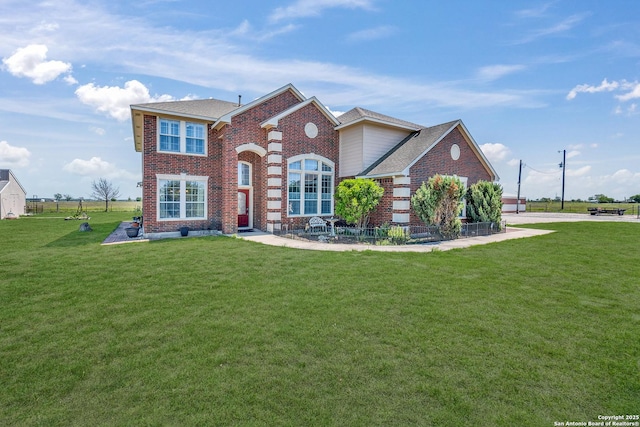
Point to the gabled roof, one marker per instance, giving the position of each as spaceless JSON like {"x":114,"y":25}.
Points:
{"x":273,"y":121}
{"x":225,"y":119}
{"x":359,"y":114}
{"x":208,"y":110}
{"x":411,"y":149}
{"x":5,"y":177}
{"x":204,"y":109}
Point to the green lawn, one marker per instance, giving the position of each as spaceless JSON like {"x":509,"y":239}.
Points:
{"x":220,"y":331}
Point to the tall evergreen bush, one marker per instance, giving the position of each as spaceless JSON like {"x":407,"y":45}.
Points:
{"x":439,"y":202}
{"x":484,"y":202}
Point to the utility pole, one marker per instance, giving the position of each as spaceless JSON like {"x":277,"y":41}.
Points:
{"x":519,"y":180}
{"x":563,"y":165}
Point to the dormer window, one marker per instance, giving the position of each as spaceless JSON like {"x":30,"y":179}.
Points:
{"x":179,"y":136}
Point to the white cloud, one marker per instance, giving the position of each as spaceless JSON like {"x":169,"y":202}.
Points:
{"x":115,"y":101}
{"x":11,"y":156}
{"x":92,"y":167}
{"x":572,"y":153}
{"x":306,"y":8}
{"x":96,"y":167}
{"x":371,"y":34}
{"x":494,"y":72}
{"x":495,"y":152}
{"x":31,"y":62}
{"x":70,"y":80}
{"x":583,"y":171}
{"x":141,"y":48}
{"x":634,"y":91}
{"x":97,"y":130}
{"x":513,"y":162}
{"x":605,"y":86}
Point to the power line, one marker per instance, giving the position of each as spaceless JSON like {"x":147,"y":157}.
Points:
{"x":536,"y":170}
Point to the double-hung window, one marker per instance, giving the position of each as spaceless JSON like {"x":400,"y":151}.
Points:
{"x":310,"y":185}
{"x":178,"y":136}
{"x":182,"y":197}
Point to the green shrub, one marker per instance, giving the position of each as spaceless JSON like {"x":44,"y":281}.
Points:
{"x":356,"y":198}
{"x":398,"y":235}
{"x":439,"y":202}
{"x":484,"y":202}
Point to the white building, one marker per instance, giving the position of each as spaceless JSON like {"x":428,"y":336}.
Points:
{"x":13,"y":197}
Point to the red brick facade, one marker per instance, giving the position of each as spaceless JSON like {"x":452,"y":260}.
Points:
{"x":265,"y":138}
{"x":439,"y":161}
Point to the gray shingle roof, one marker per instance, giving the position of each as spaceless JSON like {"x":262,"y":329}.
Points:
{"x":358,"y":113}
{"x":409,"y":150}
{"x":205,"y":108}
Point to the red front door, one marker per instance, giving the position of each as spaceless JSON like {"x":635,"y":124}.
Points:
{"x":243,"y":208}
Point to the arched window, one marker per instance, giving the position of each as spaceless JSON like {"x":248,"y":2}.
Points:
{"x":310,"y":185}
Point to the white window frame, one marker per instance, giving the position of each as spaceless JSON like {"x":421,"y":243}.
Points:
{"x":183,"y":178}
{"x":240,"y":184}
{"x":320,"y":159}
{"x":183,"y":136}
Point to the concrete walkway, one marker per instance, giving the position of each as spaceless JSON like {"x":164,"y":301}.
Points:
{"x":119,"y":235}
{"x":511,"y":233}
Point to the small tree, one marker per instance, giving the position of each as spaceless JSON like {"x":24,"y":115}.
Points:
{"x":68,"y":197}
{"x":104,"y":190}
{"x":635,"y":198}
{"x":356,"y":198}
{"x":601,"y":198}
{"x":439,"y":202}
{"x":484,"y":202}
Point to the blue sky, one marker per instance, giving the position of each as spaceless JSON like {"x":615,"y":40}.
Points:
{"x":529,"y":79}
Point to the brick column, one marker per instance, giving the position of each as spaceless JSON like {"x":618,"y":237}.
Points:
{"x":274,"y":181}
{"x":401,"y":200}
{"x":229,"y":199}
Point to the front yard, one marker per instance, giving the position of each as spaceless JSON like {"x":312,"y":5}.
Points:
{"x":220,"y":331}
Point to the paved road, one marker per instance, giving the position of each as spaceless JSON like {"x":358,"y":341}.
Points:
{"x":541,"y":217}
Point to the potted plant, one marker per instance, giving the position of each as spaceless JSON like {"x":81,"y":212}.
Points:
{"x":184,"y":231}
{"x":132,"y":231}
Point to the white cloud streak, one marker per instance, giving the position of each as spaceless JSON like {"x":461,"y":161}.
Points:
{"x":561,"y":27}
{"x":310,"y":8}
{"x":605,"y":86}
{"x":370,"y":34}
{"x":495,"y":72}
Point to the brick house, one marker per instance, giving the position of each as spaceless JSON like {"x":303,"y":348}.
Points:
{"x":216,"y":165}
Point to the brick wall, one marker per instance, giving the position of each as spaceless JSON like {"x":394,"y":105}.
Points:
{"x":384,"y":211}
{"x":244,"y":129}
{"x":439,"y":161}
{"x":169,"y":163}
{"x":295,"y":142}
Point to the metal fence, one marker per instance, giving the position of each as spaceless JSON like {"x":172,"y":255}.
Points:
{"x":389,"y":235}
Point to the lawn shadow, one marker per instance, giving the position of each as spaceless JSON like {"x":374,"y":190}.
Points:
{"x":77,"y":238}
